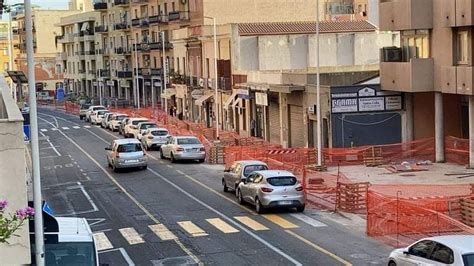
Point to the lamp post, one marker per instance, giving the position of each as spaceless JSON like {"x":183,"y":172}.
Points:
{"x":215,"y":75}
{"x":318,"y":91}
{"x":164,"y":66}
{"x":37,"y":198}
{"x":136,"y":94}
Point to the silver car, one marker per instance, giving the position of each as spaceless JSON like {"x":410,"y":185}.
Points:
{"x":271,"y":189}
{"x":183,"y":148}
{"x":155,"y":138}
{"x":126,"y":153}
{"x":106,"y":119}
{"x":239,"y":171}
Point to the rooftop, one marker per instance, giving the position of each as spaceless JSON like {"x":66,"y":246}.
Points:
{"x":276,"y":28}
{"x":74,"y":230}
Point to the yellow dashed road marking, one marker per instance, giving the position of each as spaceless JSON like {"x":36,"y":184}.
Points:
{"x":256,"y":226}
{"x":192,"y":229}
{"x":222,"y":226}
{"x":162,"y":232}
{"x":131,"y":235}
{"x":280,"y":221}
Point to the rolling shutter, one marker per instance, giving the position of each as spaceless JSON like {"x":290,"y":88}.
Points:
{"x":296,"y":126}
{"x":274,"y":113}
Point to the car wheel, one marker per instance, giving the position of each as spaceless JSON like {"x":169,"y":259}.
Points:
{"x":239,"y":197}
{"x":258,"y":206}
{"x":300,"y":208}
{"x":173,"y":160}
{"x":80,"y":117}
{"x":145,"y":167}
{"x":226,"y":189}
{"x":162,"y":156}
{"x":392,"y":263}
{"x":201,"y":160}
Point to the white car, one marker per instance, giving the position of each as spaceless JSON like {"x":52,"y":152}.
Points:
{"x":155,"y":138}
{"x":131,"y":126}
{"x":96,"y":116}
{"x":142,"y":127}
{"x":92,"y":109}
{"x":183,"y":148}
{"x":115,"y":121}
{"x":456,"y":250}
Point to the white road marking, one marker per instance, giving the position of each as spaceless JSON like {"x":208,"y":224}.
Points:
{"x":87,"y":196}
{"x":87,"y":126}
{"x":54,"y":129}
{"x":102,"y":242}
{"x":162,"y":232}
{"x":51,"y":144}
{"x":192,"y":229}
{"x":124,"y":255}
{"x":65,"y":128}
{"x":76,"y":127}
{"x":308,"y":220}
{"x":131,"y":235}
{"x":97,"y":221}
{"x":222,"y":226}
{"x":44,"y":130}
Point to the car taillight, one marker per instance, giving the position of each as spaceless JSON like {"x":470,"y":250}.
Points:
{"x":179,"y":149}
{"x":117,"y":155}
{"x":266,"y":190}
{"x":150,"y":137}
{"x":299,"y":188}
{"x":202,"y":149}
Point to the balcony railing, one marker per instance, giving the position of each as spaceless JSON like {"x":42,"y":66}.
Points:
{"x":159,"y":46}
{"x":143,"y":71}
{"x":121,"y":2}
{"x":101,"y":28}
{"x":178,"y":15}
{"x":90,"y":52}
{"x":224,"y":83}
{"x":145,"y":47}
{"x":125,"y":74}
{"x":103,"y":73}
{"x":122,"y":26}
{"x":135,"y":22}
{"x":100,"y":5}
{"x":92,"y":73}
{"x":122,"y":50}
{"x":144,"y":22}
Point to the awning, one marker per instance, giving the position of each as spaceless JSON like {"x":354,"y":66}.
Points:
{"x":230,"y":100}
{"x":85,"y":26}
{"x":236,"y":102}
{"x":168,"y":93}
{"x":204,"y":98}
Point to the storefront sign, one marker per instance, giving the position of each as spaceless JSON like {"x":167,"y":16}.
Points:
{"x":110,"y":83}
{"x":94,"y":83}
{"x":147,"y":83}
{"x":365,"y":92}
{"x":181,"y":91}
{"x":344,"y":105}
{"x":196,"y":94}
{"x":244,"y":92}
{"x":344,"y":95}
{"x":371,"y":104}
{"x":393,"y":102}
{"x":124,"y":84}
{"x":261,"y":99}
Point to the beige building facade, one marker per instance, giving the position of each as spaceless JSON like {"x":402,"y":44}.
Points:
{"x":433,"y":65}
{"x":13,"y":182}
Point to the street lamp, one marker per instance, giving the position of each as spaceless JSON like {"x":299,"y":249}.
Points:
{"x":164,"y":67}
{"x":318,"y":91}
{"x":215,"y":75}
{"x":136,"y":91}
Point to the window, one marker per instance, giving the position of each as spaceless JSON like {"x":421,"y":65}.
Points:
{"x":185,"y":141}
{"x":131,"y":147}
{"x":159,"y":133}
{"x":258,"y":179}
{"x":280,"y":181}
{"x":422,"y":249}
{"x":237,"y":168}
{"x":442,"y":253}
{"x":207,"y":68}
{"x":252,"y":168}
{"x":462,"y":47}
{"x":468,"y":259}
{"x":173,"y":6}
{"x":415,"y":44}
{"x":5,"y":66}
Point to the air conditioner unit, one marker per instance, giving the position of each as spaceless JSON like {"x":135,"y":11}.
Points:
{"x":209,"y":83}
{"x":391,"y":54}
{"x":201,"y":82}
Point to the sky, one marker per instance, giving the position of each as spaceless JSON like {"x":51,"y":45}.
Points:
{"x":60,"y":4}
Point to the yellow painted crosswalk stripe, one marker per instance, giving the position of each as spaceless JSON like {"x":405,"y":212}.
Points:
{"x":222,"y":226}
{"x":280,"y":221}
{"x":102,"y":242}
{"x":162,"y":232}
{"x":256,"y":226}
{"x":131,"y":235}
{"x":192,"y":229}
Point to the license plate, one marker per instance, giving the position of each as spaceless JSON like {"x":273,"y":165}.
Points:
{"x":131,"y":161}
{"x":285,"y":202}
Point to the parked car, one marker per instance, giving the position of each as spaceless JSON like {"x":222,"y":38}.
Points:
{"x":96,"y":116}
{"x":131,"y":126}
{"x":271,"y":189}
{"x":115,"y":121}
{"x":155,"y":138}
{"x":142,"y":127}
{"x":456,"y":250}
{"x":91,"y":109}
{"x":239,"y":171}
{"x":183,"y":148}
{"x":106,"y":119}
{"x":122,"y":125}
{"x":83,"y":110}
{"x":126,"y":153}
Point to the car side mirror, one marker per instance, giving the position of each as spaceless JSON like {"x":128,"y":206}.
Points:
{"x":244,"y":181}
{"x":406,"y":251}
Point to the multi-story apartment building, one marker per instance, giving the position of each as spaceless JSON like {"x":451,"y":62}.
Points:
{"x":45,"y":45}
{"x":433,"y":65}
{"x":4,"y":46}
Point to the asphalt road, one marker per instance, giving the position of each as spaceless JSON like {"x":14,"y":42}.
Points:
{"x":177,"y":214}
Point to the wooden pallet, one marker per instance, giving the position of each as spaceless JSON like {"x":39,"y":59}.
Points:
{"x":216,"y":155}
{"x":467,"y":211}
{"x":373,"y":157}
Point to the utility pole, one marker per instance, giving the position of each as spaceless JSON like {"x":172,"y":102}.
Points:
{"x":99,"y":83}
{"x":136,"y":94}
{"x":215,"y":75}
{"x":164,"y":70}
{"x":37,"y":198}
{"x":318,"y":91}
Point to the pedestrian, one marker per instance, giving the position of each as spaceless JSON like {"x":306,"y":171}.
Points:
{"x":253,"y":126}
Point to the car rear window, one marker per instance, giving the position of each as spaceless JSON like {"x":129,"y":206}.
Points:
{"x":159,"y":133}
{"x":282,"y":181}
{"x":120,"y":117}
{"x":136,"y":122}
{"x":252,"y":168}
{"x":98,"y":108}
{"x":468,"y":259}
{"x":130,"y":147}
{"x":184,"y":141}
{"x":147,"y":126}
{"x":101,"y":112}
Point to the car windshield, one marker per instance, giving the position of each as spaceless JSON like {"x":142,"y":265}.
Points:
{"x":70,"y":253}
{"x":159,"y":133}
{"x":136,"y":122}
{"x":147,"y":126}
{"x":251,"y":168}
{"x":468,"y":259}
{"x":184,"y":141}
{"x":130,"y":147}
{"x":280,"y":181}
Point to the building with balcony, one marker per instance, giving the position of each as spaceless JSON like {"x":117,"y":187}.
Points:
{"x":432,"y":64}
{"x":4,"y":43}
{"x":47,"y":36}
{"x":13,"y":180}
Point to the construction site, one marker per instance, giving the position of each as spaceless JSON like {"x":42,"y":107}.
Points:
{"x":398,"y":189}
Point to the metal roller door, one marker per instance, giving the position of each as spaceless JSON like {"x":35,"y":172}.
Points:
{"x":296,"y":126}
{"x":274,"y":110}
